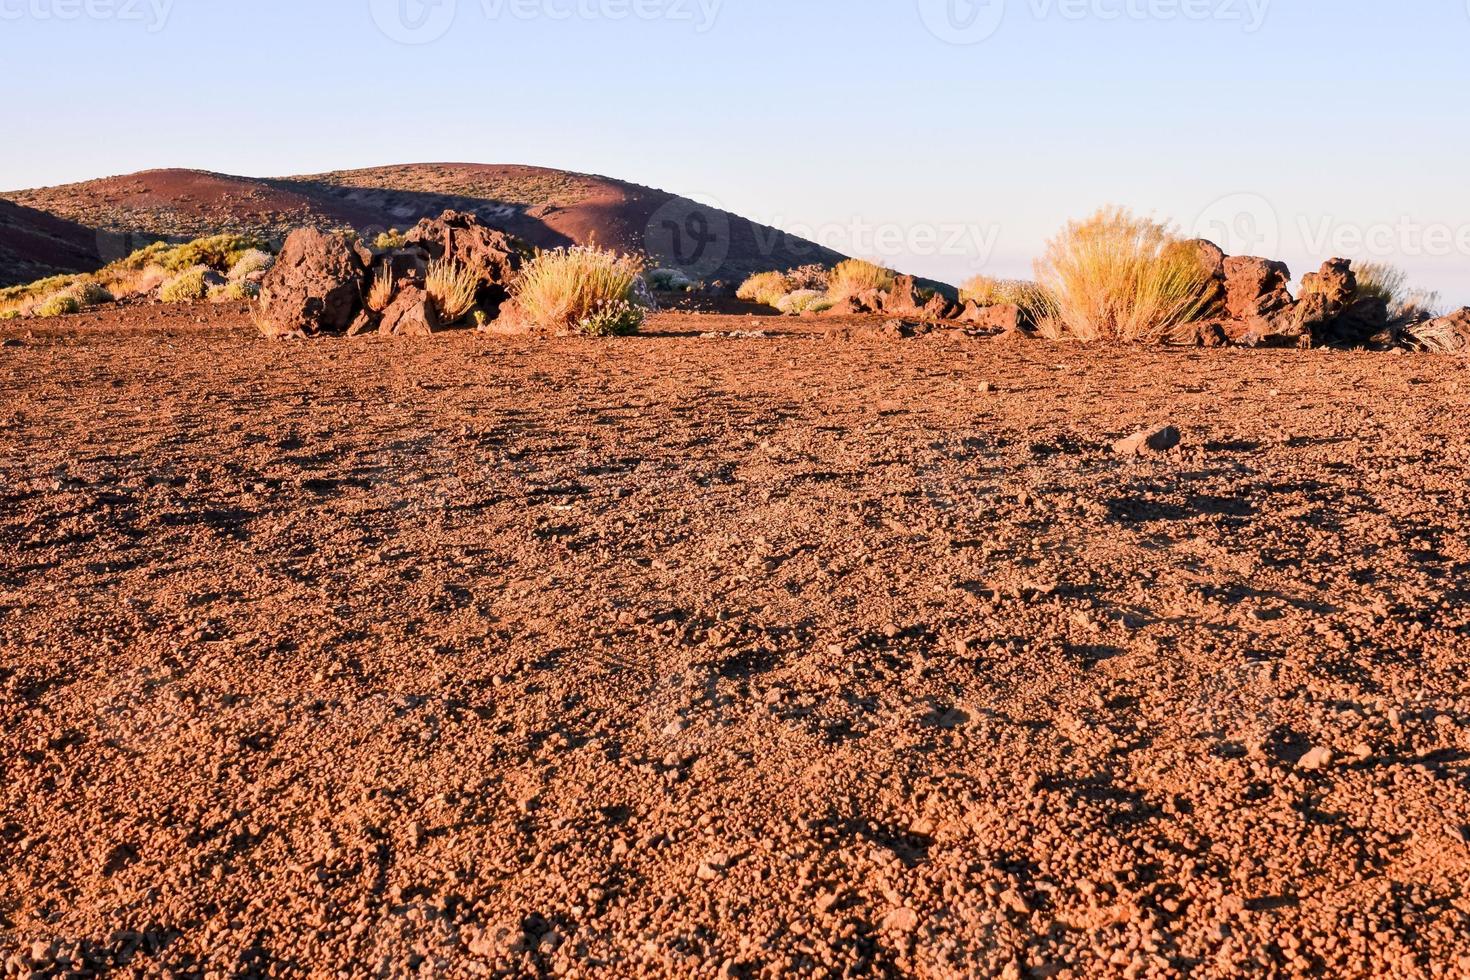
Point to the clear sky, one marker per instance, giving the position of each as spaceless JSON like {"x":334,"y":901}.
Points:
{"x":942,"y":136}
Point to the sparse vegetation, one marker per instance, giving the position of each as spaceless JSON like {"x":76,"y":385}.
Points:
{"x":765,"y":288}
{"x":1391,"y":284}
{"x":181,"y":268}
{"x":801,"y":301}
{"x":582,"y":288}
{"x":249,"y":263}
{"x":452,"y":288}
{"x":188,"y":286}
{"x":380,"y":292}
{"x":856,"y":276}
{"x":59,"y":304}
{"x":390,"y":240}
{"x":89,"y":293}
{"x":1035,"y":302}
{"x":1115,"y":277}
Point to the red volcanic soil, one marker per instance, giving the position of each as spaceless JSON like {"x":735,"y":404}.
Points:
{"x":693,"y":655}
{"x":548,"y":208}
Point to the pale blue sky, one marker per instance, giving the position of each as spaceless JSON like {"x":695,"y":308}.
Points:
{"x":1328,"y":127}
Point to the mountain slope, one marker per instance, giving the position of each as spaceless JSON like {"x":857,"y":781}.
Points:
{"x":548,"y":208}
{"x":35,"y":245}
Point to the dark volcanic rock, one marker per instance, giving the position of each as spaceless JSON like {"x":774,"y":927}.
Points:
{"x":316,"y":286}
{"x":492,"y":255}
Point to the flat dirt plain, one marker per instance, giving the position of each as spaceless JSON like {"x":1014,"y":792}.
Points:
{"x":693,"y":656}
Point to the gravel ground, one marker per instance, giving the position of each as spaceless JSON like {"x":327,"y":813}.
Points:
{"x":755,"y":656}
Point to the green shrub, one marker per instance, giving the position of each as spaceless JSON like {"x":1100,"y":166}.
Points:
{"x":800,"y":301}
{"x":10,"y":314}
{"x":217,"y":252}
{"x":186,"y":287}
{"x":233,"y":292}
{"x":59,"y":304}
{"x":250,"y":262}
{"x":390,"y":240}
{"x":614,"y":318}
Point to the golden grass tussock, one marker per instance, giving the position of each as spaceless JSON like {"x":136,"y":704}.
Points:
{"x":765,"y":288}
{"x":380,"y":291}
{"x":452,"y":287}
{"x":1389,"y":283}
{"x":582,"y":289}
{"x":1116,"y":277}
{"x":855,"y":276}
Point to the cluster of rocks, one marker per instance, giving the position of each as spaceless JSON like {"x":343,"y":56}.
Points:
{"x":321,"y":282}
{"x":906,"y":298}
{"x":1254,"y":306}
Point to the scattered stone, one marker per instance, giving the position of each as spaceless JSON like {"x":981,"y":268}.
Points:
{"x":1316,"y":759}
{"x":901,"y":920}
{"x":1147,"y":441}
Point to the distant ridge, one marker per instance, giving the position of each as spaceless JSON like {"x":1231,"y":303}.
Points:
{"x":76,"y":227}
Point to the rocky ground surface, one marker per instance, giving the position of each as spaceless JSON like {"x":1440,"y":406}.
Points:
{"x":740,"y":656}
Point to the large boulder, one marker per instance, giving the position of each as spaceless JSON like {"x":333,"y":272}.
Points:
{"x":316,"y":285}
{"x":492,"y":255}
{"x":1255,"y":287}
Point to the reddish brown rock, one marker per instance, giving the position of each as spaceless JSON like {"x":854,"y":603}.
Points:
{"x":411,"y":314}
{"x":365,"y":322}
{"x":1255,"y":287}
{"x":1001,"y":318}
{"x":1212,"y":258}
{"x":462,"y":238}
{"x":315,"y":287}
